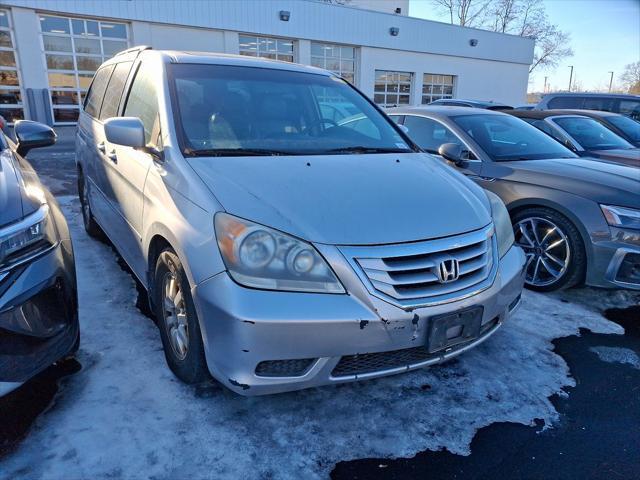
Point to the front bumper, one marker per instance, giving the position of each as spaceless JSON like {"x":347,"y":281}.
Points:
{"x":244,"y":329}
{"x":38,"y":314}
{"x":615,"y":261}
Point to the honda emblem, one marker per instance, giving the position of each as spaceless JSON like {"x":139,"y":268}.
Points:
{"x":448,"y":270}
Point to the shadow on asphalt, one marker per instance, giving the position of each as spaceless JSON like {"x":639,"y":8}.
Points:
{"x":597,"y":435}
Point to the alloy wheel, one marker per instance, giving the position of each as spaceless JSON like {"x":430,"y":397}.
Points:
{"x":546,"y":248}
{"x":175,"y":316}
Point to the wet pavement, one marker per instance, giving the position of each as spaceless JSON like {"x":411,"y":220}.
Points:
{"x":597,"y":436}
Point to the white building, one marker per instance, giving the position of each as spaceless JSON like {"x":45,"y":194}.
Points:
{"x":49,"y":49}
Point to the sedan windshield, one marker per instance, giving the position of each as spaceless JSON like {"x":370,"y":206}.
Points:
{"x":631,"y":128}
{"x":505,"y":138}
{"x":590,"y":134}
{"x":230,"y":110}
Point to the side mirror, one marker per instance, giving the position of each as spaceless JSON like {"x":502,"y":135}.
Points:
{"x":33,"y":135}
{"x":453,"y":152}
{"x":125,"y":131}
{"x":403,"y":128}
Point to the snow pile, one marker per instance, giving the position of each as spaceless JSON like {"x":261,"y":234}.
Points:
{"x":617,"y":355}
{"x":125,"y":415}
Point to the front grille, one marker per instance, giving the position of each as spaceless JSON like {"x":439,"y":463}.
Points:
{"x":284,"y":368}
{"x":408,"y":273}
{"x":375,"y":362}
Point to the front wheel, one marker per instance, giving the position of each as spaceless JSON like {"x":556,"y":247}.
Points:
{"x":177,"y":320}
{"x":553,"y":247}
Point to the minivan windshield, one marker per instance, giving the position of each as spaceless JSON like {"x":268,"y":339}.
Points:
{"x":227,"y":110}
{"x":505,"y":138}
{"x":590,"y":134}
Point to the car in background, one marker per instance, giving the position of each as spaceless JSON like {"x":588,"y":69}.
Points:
{"x":622,"y":126}
{"x":265,"y":227}
{"x":457,"y":102}
{"x":627,"y":105}
{"x":38,"y":294}
{"x":528,"y":106}
{"x":584,"y":135}
{"x":577,"y":219}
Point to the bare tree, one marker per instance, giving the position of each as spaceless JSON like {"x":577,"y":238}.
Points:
{"x":630,"y":78}
{"x":526,"y":18}
{"x":467,"y":13}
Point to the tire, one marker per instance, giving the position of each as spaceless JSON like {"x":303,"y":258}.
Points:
{"x":553,"y":245}
{"x":90,"y":225}
{"x":177,"y":320}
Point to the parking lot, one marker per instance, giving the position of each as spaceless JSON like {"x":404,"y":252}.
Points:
{"x":554,"y":393}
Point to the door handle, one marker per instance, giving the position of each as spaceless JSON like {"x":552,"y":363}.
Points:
{"x":102,"y":148}
{"x":112,"y":156}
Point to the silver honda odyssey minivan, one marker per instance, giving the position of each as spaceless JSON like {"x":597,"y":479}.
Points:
{"x":288,"y":233}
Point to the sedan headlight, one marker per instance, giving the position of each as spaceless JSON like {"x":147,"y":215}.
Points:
{"x":502,"y":223}
{"x":261,"y":257}
{"x":26,"y":238}
{"x":621,"y":216}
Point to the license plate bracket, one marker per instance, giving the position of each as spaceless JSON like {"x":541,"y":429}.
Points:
{"x":450,"y":329}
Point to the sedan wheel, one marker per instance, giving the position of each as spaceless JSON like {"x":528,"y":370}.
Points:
{"x":555,"y":254}
{"x":547,"y":250}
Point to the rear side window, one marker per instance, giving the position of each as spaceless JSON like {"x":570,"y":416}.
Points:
{"x":114,"y":90}
{"x":598,"y":103}
{"x":566,"y":102}
{"x":630,"y":108}
{"x":142,"y":103}
{"x":96,"y":91}
{"x":546,"y":128}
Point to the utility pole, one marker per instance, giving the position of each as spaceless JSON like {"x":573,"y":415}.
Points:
{"x":544,"y":90}
{"x":570,"y":76}
{"x":610,"y":81}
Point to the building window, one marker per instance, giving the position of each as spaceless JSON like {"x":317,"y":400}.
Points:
{"x":435,"y":87}
{"x":11,"y":98}
{"x":392,"y":88}
{"x":266,"y":47}
{"x":338,"y":59}
{"x":73,"y":49}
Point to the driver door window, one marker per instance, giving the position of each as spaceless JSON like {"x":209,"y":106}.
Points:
{"x":429,"y":134}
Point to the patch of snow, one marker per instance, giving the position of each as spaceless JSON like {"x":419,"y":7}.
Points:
{"x":617,"y":355}
{"x":125,"y":415}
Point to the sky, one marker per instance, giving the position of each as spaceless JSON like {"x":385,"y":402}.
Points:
{"x":605,"y":36}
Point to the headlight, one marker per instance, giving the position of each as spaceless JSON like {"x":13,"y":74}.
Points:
{"x":27,"y":237}
{"x":621,"y":216}
{"x":502,"y":223}
{"x":261,"y":257}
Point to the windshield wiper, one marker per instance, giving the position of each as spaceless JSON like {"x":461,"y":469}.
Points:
{"x":363,"y":149}
{"x":233,"y":152}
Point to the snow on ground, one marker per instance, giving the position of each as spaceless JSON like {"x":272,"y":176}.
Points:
{"x":125,"y":415}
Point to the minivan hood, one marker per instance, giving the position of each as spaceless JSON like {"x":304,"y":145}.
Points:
{"x":348,"y":199}
{"x":10,"y":192}
{"x":600,"y":181}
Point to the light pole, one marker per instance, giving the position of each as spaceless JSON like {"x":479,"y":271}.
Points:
{"x":545,"y":85}
{"x":610,"y":81}
{"x":570,"y":76}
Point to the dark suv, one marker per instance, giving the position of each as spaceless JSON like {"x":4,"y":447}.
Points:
{"x":628,"y":105}
{"x":38,"y":294}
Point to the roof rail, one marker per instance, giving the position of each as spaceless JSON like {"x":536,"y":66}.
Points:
{"x":134,"y":49}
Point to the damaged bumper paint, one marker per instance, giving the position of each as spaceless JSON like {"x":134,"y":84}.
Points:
{"x":262,"y":342}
